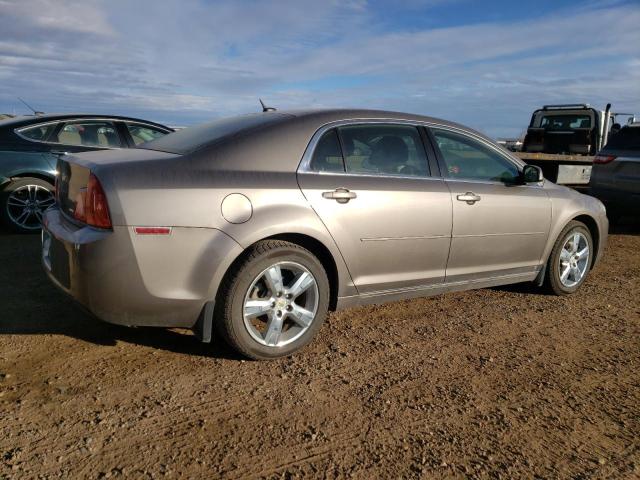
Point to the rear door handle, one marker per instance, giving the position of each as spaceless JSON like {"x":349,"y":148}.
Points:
{"x":340,"y":195}
{"x":469,"y":197}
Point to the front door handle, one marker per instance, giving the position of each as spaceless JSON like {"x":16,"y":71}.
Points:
{"x":340,"y":195}
{"x":469,"y":197}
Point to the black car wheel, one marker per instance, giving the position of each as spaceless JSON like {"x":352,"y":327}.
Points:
{"x":23,"y":203}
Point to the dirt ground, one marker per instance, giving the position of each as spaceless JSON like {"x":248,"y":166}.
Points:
{"x":495,"y":383}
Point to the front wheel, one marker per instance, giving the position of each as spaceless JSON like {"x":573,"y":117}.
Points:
{"x":23,"y":203}
{"x":274,"y":300}
{"x":570,"y":259}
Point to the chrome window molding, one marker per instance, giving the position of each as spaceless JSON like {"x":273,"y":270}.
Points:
{"x":305,"y":163}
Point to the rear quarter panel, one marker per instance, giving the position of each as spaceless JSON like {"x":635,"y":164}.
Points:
{"x":188,"y":192}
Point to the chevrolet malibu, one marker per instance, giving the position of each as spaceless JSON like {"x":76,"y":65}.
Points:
{"x":254,"y":227}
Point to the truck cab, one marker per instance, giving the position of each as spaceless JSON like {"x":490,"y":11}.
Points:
{"x":566,"y":129}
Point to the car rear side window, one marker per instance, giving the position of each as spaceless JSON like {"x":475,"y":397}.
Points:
{"x":38,"y":133}
{"x":469,"y":159}
{"x":327,"y":156}
{"x":379,"y":149}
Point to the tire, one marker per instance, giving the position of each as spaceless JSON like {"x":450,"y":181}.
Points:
{"x":554,"y":272}
{"x":245,"y":293}
{"x":25,"y":196}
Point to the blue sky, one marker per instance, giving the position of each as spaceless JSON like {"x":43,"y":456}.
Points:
{"x":181,"y":62}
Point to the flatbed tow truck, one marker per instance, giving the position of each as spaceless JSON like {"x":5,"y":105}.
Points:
{"x":563,"y":140}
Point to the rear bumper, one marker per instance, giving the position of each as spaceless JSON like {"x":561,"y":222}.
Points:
{"x":131,"y":279}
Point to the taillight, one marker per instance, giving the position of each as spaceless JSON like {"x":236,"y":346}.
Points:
{"x":91,"y":205}
{"x":604,"y":159}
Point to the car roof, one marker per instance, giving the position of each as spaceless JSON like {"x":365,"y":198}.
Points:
{"x":288,"y":123}
{"x":24,"y":120}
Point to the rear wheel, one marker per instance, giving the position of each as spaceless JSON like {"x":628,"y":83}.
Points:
{"x":23,"y":203}
{"x":570,"y":259}
{"x":274,"y":301}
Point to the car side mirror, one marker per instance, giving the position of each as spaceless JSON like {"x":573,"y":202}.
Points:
{"x":532,"y":174}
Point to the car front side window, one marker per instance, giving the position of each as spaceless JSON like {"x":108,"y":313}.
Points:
{"x":467,"y":158}
{"x":143,"y":133}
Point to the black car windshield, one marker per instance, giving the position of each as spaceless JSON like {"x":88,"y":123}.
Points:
{"x":565,"y":122}
{"x":194,"y":138}
{"x":628,"y":138}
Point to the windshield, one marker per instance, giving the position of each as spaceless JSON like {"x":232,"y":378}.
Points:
{"x":628,"y":138}
{"x":565,"y":122}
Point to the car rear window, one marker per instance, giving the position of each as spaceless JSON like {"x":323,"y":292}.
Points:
{"x":565,"y":122}
{"x":194,"y":138}
{"x":628,"y":138}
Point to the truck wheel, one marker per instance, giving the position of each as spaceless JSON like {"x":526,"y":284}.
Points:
{"x":23,"y":202}
{"x":274,"y":300}
{"x":570,"y":259}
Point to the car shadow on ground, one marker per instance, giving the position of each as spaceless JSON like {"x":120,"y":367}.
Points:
{"x":31,"y":305}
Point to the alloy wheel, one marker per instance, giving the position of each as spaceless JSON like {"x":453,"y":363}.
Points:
{"x":574,"y":260}
{"x":281,"y":304}
{"x":26,"y":205}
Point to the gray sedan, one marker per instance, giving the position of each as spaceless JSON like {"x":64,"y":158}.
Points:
{"x":256,"y":226}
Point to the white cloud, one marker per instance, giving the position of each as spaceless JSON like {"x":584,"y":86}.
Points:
{"x":183,"y":61}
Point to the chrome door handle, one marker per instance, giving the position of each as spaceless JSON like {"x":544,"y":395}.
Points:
{"x":469,"y":197}
{"x":340,"y":195}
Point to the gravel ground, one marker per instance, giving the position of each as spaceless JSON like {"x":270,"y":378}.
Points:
{"x":495,"y":383}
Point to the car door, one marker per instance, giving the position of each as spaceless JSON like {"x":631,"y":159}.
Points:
{"x":370,"y":184}
{"x":500,"y":225}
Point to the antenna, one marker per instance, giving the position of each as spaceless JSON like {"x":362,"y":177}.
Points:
{"x":35,"y":112}
{"x":265,"y":108}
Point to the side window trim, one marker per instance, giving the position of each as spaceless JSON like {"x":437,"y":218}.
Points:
{"x":432,"y":154}
{"x":342,"y":149}
{"x":442,"y":165}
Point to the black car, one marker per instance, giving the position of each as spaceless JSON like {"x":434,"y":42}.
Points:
{"x":30,"y":146}
{"x":615,"y":178}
